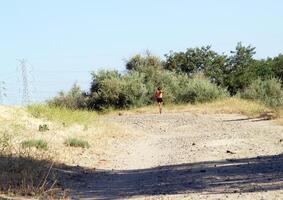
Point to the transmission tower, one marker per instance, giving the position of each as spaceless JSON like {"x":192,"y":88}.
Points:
{"x":25,"y":82}
{"x":2,"y":92}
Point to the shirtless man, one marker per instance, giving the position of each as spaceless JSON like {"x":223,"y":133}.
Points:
{"x":159,"y":98}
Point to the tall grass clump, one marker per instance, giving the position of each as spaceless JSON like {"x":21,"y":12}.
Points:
{"x":39,"y":144}
{"x":76,"y":142}
{"x":267,"y":91}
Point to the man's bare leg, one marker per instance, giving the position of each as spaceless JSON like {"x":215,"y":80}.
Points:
{"x":160,"y":107}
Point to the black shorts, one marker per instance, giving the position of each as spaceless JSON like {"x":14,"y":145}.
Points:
{"x":159,"y":100}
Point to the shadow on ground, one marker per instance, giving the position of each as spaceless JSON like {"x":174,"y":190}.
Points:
{"x":256,"y":119}
{"x":228,"y":176}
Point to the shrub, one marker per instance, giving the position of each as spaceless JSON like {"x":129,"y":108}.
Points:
{"x":105,"y":90}
{"x":75,"y":142}
{"x":133,"y":91}
{"x":74,"y":99}
{"x":111,"y":89}
{"x":39,"y":144}
{"x":153,"y":78}
{"x":268,"y":91}
{"x":199,"y":90}
{"x":43,"y":128}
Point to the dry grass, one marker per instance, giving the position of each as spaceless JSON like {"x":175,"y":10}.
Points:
{"x":279,"y":120}
{"x":227,"y":106}
{"x":63,"y":115}
{"x":223,"y":106}
{"x":21,"y":124}
{"x":30,"y":165}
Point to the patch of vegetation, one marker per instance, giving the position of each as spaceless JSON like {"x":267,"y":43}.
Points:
{"x":267,"y":91}
{"x":223,"y":74}
{"x":39,"y":144}
{"x":199,"y":90}
{"x":226,"y":105}
{"x":5,"y":143}
{"x":75,"y":142}
{"x":62,"y":115}
{"x":17,"y":127}
{"x":24,"y":173}
{"x":237,"y":75}
{"x":43,"y":128}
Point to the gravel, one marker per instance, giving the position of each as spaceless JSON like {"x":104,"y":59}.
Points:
{"x":190,"y":156}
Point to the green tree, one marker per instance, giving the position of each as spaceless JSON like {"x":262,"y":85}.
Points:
{"x":193,"y":60}
{"x":140,"y":62}
{"x":263,"y":69}
{"x":238,"y":73}
{"x":198,"y":60}
{"x":278,"y":66}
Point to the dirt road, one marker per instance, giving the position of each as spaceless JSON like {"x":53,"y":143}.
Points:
{"x":188,"y":156}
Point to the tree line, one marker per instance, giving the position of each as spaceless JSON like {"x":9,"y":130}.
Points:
{"x":195,"y":75}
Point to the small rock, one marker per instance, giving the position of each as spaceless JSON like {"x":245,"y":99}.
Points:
{"x":281,"y":140}
{"x":228,"y":151}
{"x":202,"y":170}
{"x":194,"y":144}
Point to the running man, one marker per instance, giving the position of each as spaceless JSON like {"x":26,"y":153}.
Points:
{"x":159,"y":98}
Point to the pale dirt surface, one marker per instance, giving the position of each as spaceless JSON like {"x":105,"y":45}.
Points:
{"x":186,"y":156}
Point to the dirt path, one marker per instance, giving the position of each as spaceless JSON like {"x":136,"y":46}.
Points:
{"x":189,"y":156}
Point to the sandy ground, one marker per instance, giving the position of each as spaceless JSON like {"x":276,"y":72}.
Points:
{"x":187,"y":156}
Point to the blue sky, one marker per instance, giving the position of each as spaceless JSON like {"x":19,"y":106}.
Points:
{"x":64,"y":40}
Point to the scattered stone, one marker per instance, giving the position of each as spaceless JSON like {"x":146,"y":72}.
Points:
{"x":194,"y":144}
{"x":230,"y":152}
{"x":281,"y":140}
{"x":202,"y":170}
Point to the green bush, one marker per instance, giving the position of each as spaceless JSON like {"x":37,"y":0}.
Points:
{"x":105,"y":90}
{"x":75,"y":142}
{"x":133,"y":92}
{"x":168,"y":81}
{"x":74,"y":99}
{"x":110,"y":89}
{"x":268,"y":91}
{"x":198,"y":90}
{"x":39,"y":144}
